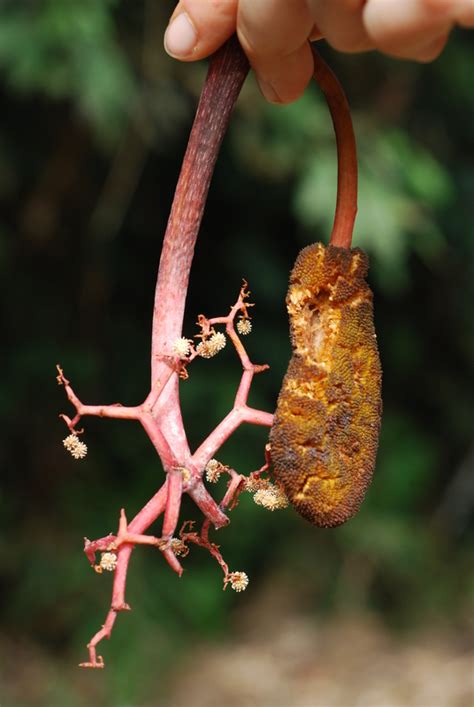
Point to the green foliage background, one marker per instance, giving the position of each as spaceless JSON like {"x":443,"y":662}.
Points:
{"x":94,"y":123}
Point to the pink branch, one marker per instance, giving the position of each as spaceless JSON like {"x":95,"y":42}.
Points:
{"x":240,"y":306}
{"x":116,"y":410}
{"x":120,"y":579}
{"x":217,"y":438}
{"x":154,"y":432}
{"x":240,"y":411}
{"x":158,"y":386}
{"x":244,"y":387}
{"x":226,"y":428}
{"x":173,"y":502}
{"x":97,"y":661}
{"x":257,"y":417}
{"x":235,"y":483}
{"x":148,"y":514}
{"x":206,"y":504}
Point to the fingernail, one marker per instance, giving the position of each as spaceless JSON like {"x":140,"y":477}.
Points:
{"x":180,"y":37}
{"x":268,"y":91}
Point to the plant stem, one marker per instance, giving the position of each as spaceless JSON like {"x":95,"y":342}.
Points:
{"x":227,"y":71}
{"x":346,"y":205}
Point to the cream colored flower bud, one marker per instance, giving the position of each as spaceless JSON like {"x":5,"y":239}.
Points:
{"x":182,"y":347}
{"x":238,"y":581}
{"x":179,"y":548}
{"x":271,"y":497}
{"x":213,"y":470}
{"x":108,"y":561}
{"x":244,"y":326}
{"x":75,"y":447}
{"x":212,"y":346}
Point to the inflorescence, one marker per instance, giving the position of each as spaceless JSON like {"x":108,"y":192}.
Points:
{"x":184,"y":474}
{"x":75,"y":447}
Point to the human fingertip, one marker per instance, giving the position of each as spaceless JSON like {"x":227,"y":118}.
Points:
{"x":465,"y":16}
{"x":268,"y":91}
{"x":433,"y":50}
{"x":283,"y":79}
{"x":181,"y":37}
{"x":423,"y":53}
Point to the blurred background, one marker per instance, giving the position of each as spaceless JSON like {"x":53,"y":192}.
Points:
{"x":93,"y":126}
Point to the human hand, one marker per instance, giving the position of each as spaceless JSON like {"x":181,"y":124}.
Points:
{"x":275,"y":33}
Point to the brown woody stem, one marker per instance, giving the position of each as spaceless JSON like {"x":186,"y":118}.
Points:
{"x":346,"y":205}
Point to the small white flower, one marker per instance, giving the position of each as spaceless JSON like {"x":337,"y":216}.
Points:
{"x":182,"y":347}
{"x":253,"y":484}
{"x":75,"y":447}
{"x":202,"y":350}
{"x":244,"y":326}
{"x":212,"y":346}
{"x":213,"y":470}
{"x":108,"y":561}
{"x":179,"y":547}
{"x":218,"y":341}
{"x":271,"y":497}
{"x":238,"y":581}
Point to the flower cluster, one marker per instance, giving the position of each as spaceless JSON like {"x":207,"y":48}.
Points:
{"x":271,"y":497}
{"x":210,"y":347}
{"x":108,"y":561}
{"x":213,"y":470}
{"x":182,"y":347}
{"x":179,"y":547}
{"x":75,"y":447}
{"x":244,"y":326}
{"x":238,"y":581}
{"x":185,"y":470}
{"x":253,"y":484}
{"x":266,"y":494}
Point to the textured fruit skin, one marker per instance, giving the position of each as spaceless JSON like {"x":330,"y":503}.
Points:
{"x":325,"y":433}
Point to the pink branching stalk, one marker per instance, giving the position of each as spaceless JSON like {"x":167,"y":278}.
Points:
{"x":160,"y":413}
{"x":184,"y":471}
{"x":171,"y":355}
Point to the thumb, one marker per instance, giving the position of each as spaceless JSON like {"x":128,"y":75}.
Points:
{"x":198,"y":27}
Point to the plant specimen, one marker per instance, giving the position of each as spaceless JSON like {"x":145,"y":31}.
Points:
{"x":186,"y":471}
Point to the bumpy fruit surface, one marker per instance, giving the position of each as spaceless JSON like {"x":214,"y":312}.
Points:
{"x":325,"y":435}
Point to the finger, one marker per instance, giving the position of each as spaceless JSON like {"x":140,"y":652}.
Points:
{"x":414,"y":29}
{"x":431,"y":50}
{"x":198,"y":27}
{"x":465,"y":13}
{"x":285,"y":79}
{"x":274,"y":35}
{"x":340,"y":22}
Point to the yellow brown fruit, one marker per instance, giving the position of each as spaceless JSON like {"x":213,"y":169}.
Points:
{"x":325,"y":433}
